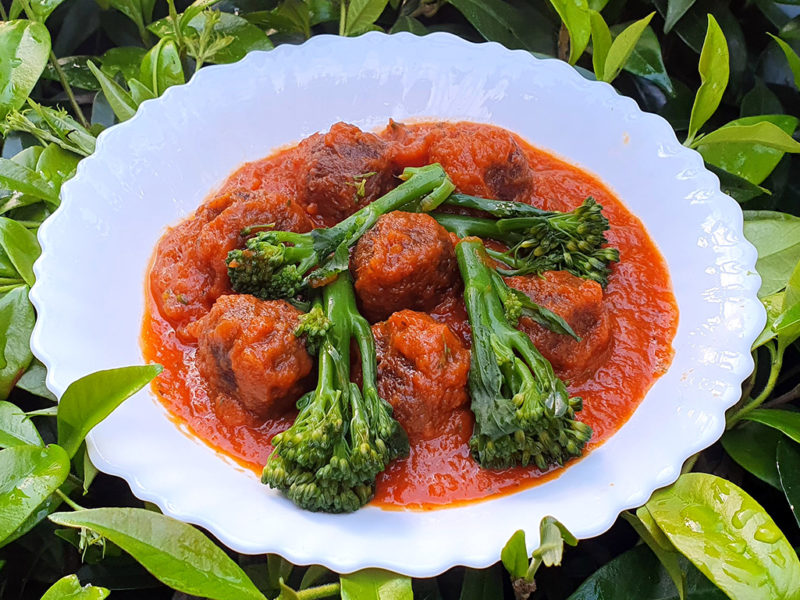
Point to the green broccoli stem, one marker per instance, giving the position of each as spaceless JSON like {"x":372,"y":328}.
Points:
{"x":501,"y":209}
{"x":523,"y":412}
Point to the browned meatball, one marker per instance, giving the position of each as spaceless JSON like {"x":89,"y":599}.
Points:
{"x":247,"y":351}
{"x":422,"y":371}
{"x":580,"y":303}
{"x":344,"y":170}
{"x":511,"y":179}
{"x":406,"y":261}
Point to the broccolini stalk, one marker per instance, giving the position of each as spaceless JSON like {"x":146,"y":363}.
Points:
{"x":344,"y":435}
{"x":539,"y":240}
{"x":281,"y":264}
{"x":523,"y":413}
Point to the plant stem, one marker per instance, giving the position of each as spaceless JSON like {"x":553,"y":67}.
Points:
{"x":68,"y":89}
{"x":776,"y":354}
{"x":792,"y":394}
{"x":342,"y":17}
{"x":72,"y":504}
{"x":3,"y":13}
{"x":322,"y":591}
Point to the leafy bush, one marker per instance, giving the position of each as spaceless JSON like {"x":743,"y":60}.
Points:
{"x":726,"y":75}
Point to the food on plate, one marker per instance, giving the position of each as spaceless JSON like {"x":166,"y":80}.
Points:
{"x":568,"y":305}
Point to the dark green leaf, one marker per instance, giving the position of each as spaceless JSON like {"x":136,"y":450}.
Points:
{"x":675,"y":10}
{"x":124,"y":59}
{"x":776,"y":236}
{"x":34,"y":381}
{"x":760,"y":101}
{"x":575,"y":16}
{"x":788,"y":457}
{"x":728,"y":536}
{"x":17,"y":178}
{"x":753,"y":447}
{"x":515,"y":555}
{"x":622,"y":48}
{"x":134,"y":10}
{"x":120,"y":100}
{"x":16,"y":428}
{"x":410,"y":24}
{"x":736,"y":187}
{"x":92,"y":398}
{"x":21,"y":247}
{"x":313,"y":575}
{"x":39,"y":9}
{"x":791,"y":57}
{"x":644,"y":524}
{"x":28,"y":475}
{"x":646,"y":61}
{"x":17,"y":318}
{"x":714,"y":72}
{"x":25,"y":48}
{"x":177,"y":554}
{"x":482,"y":584}
{"x":498,"y":21}
{"x":785,"y":421}
{"x":89,"y":471}
{"x":69,"y":588}
{"x":76,"y":72}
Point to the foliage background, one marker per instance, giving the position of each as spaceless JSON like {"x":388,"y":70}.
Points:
{"x":728,"y":85}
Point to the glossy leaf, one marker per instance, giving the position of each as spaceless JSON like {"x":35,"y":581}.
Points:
{"x":753,"y":448}
{"x":69,"y":588}
{"x":644,"y":524}
{"x":760,"y":101}
{"x":785,"y":421}
{"x":120,"y":100}
{"x":515,"y":555}
{"x":92,"y":398}
{"x":124,"y":59}
{"x":737,"y":187}
{"x":56,"y":165}
{"x":176,"y":553}
{"x":739,"y":153}
{"x":498,"y":21}
{"x":601,"y":42}
{"x":375,"y":584}
{"x":482,"y":584}
{"x":139,"y":91}
{"x":791,"y":57}
{"x":576,"y":18}
{"x":362,"y":14}
{"x":16,"y":428}
{"x":714,"y":70}
{"x":25,"y":48}
{"x":39,"y":9}
{"x":622,"y":48}
{"x":33,"y":381}
{"x":675,"y":10}
{"x":646,"y":61}
{"x":20,"y":246}
{"x":88,"y":469}
{"x":409,"y":24}
{"x":17,"y":178}
{"x":776,"y":236}
{"x":728,"y":536}
{"x":49,"y":506}
{"x":553,"y":536}
{"x":17,"y":318}
{"x":28,"y":475}
{"x":788,"y":457}
{"x":75,"y":71}
{"x":138,"y":11}
{"x":774,"y":305}
{"x":161,"y":67}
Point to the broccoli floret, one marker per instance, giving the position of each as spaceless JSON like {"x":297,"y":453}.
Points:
{"x":281,"y":264}
{"x":523,"y":413}
{"x":344,"y":435}
{"x":539,"y":240}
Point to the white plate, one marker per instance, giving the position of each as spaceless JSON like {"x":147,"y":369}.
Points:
{"x":156,"y":168}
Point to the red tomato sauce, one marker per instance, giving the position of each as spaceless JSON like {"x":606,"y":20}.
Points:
{"x":637,"y":304}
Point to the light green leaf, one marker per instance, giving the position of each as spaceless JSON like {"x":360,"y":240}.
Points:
{"x":175,"y":553}
{"x":675,"y":10}
{"x":785,"y":421}
{"x":575,"y":16}
{"x":776,"y":236}
{"x":375,"y":584}
{"x":139,"y":91}
{"x":39,"y":9}
{"x":763,"y":132}
{"x":194,"y":9}
{"x":17,"y":318}
{"x":92,"y":398}
{"x":121,"y":102}
{"x":792,"y":57}
{"x":69,"y":588}
{"x":21,"y":247}
{"x":788,"y":457}
{"x":753,"y":448}
{"x":553,"y":535}
{"x":21,"y":179}
{"x":622,"y":47}
{"x":16,"y":428}
{"x":57,"y":165}
{"x":25,"y":48}
{"x":744,"y":157}
{"x":124,"y":59}
{"x":28,"y":475}
{"x":601,"y":42}
{"x":714,"y":73}
{"x":361,"y":15}
{"x":728,"y":536}
{"x":33,"y":381}
{"x":161,"y":67}
{"x":89,"y":471}
{"x":515,"y":555}
{"x":774,"y":305}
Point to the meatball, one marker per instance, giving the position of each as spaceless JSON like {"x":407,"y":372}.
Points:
{"x":247,"y":351}
{"x":422,"y":371}
{"x":580,"y":303}
{"x":407,"y":260}
{"x":345,"y":169}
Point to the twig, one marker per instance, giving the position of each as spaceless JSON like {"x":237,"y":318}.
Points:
{"x":68,"y":89}
{"x":792,"y":394}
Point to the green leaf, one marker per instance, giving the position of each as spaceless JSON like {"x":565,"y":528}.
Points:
{"x":498,"y":21}
{"x":121,"y":102}
{"x":39,"y":9}
{"x":28,"y":475}
{"x":575,"y":16}
{"x":92,"y":398}
{"x":409,"y":24}
{"x":161,"y":67}
{"x":194,"y":9}
{"x":139,"y":91}
{"x":89,"y":470}
{"x":788,"y":457}
{"x":774,"y":305}
{"x":16,"y":428}
{"x":646,"y":61}
{"x":675,"y":10}
{"x":176,"y":553}
{"x":57,"y":165}
{"x":134,"y":10}
{"x":21,"y":179}
{"x":25,"y":48}
{"x":515,"y":555}
{"x":123,"y":59}
{"x":622,"y":47}
{"x":745,"y":157}
{"x":75,"y":71}
{"x":482,"y":584}
{"x":17,"y":318}
{"x":644,"y":524}
{"x":69,"y":588}
{"x":290,"y":16}
{"x":361,"y":15}
{"x":760,"y":101}
{"x":714,"y":73}
{"x":601,"y":42}
{"x":737,"y":187}
{"x":376,"y":584}
{"x":33,"y":381}
{"x":553,"y":535}
{"x":21,"y":247}
{"x":776,"y":236}
{"x":785,"y":421}
{"x":728,"y":536}
{"x":753,"y":448}
{"x":792,"y":57}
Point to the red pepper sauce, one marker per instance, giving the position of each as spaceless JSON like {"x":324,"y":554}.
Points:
{"x":638,"y":301}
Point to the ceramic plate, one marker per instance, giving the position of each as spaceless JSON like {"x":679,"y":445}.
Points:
{"x":156,"y":168}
